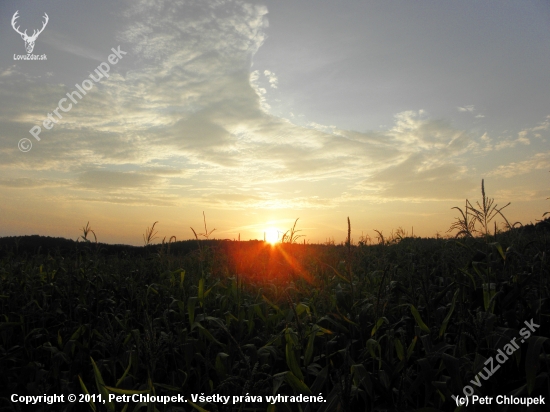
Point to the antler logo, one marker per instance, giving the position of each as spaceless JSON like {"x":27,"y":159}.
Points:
{"x":29,"y":40}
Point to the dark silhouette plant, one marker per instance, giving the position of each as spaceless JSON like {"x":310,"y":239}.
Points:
{"x":150,"y":235}
{"x":290,"y":236}
{"x":476,"y":219}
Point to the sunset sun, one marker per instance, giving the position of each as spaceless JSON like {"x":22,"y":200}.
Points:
{"x":277,"y":199}
{"x":272,"y":235}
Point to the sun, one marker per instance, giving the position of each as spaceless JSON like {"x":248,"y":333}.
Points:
{"x":271,"y":235}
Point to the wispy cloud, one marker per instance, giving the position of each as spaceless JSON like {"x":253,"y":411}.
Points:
{"x":193,"y":103}
{"x":29,"y":182}
{"x":118,"y":180}
{"x":67,"y":44}
{"x":469,"y":108}
{"x":509,"y":143}
{"x":273,"y":81}
{"x":537,"y":162}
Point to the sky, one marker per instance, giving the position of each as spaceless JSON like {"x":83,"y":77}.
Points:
{"x":261,"y":112}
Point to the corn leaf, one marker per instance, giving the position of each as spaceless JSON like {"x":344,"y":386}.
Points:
{"x":379,"y":323}
{"x":182,"y":277}
{"x":419,"y":320}
{"x":191,"y":302}
{"x":532,"y":362}
{"x":292,"y":362}
{"x":297,"y":384}
{"x":309,"y":349}
{"x":410,"y":349}
{"x":85,"y":390}
{"x":101,"y":387}
{"x":448,"y":317}
{"x":125,"y":372}
{"x":399,"y":349}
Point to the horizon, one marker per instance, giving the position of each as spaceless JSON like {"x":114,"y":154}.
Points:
{"x":368,"y":241}
{"x":257,"y":113}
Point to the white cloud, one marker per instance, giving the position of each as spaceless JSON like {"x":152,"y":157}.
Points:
{"x":537,"y":162}
{"x":190,"y":120}
{"x":9,"y":71}
{"x":524,"y":137}
{"x":510,"y":143}
{"x":260,"y":91}
{"x":273,"y":81}
{"x":470,"y":109}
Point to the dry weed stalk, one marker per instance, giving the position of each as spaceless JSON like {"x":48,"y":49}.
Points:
{"x":150,"y":235}
{"x":206,"y":233}
{"x":290,"y":235}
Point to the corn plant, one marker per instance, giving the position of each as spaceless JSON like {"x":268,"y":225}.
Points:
{"x":402,"y":325}
{"x":150,"y":235}
{"x":291,"y":236}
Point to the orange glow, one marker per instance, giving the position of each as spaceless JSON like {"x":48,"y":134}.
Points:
{"x":280,"y":263}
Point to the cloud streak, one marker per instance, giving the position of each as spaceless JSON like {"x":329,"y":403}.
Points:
{"x":539,"y":161}
{"x":190,"y":124}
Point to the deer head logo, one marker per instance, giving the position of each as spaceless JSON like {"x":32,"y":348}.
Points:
{"x":29,"y":40}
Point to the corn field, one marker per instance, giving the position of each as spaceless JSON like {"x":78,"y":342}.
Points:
{"x":401,"y":325}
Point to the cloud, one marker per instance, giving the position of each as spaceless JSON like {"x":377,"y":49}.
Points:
{"x":28,"y":182}
{"x":524,"y":137}
{"x":470,"y":109}
{"x":99,"y":179}
{"x":67,"y":44}
{"x":273,"y":81}
{"x":167,"y":171}
{"x":127,"y":199}
{"x":416,"y":159}
{"x":189,"y":124}
{"x":8,"y":72}
{"x":537,"y":162}
{"x":509,"y":143}
{"x":520,"y":194}
{"x":537,"y":131}
{"x":260,"y":91}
